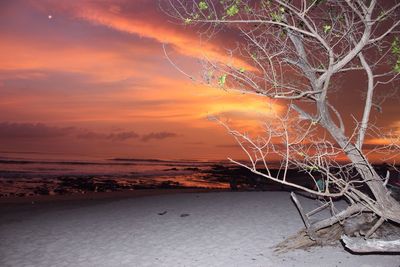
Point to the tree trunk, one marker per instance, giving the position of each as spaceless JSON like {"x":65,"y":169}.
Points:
{"x":385,"y":205}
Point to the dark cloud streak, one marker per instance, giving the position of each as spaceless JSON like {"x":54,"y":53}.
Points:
{"x":158,"y":136}
{"x":31,"y":130}
{"x":119,"y":137}
{"x":15,"y":130}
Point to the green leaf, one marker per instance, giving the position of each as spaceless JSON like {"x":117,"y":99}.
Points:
{"x":222,"y":80}
{"x":396,"y":46}
{"x":242,"y":70}
{"x":397,"y":66}
{"x":312,"y":168}
{"x":232,"y":10}
{"x":203,"y":5}
{"x":327,"y":28}
{"x":188,"y":21}
{"x":276,"y":17}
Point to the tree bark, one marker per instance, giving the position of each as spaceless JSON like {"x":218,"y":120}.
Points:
{"x":385,"y":205}
{"x":338,"y":217}
{"x":361,"y":245}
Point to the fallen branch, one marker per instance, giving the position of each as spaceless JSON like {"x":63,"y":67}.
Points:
{"x":370,"y":245}
{"x":301,"y":210}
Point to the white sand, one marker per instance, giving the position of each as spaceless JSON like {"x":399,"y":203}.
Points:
{"x":223,"y":229}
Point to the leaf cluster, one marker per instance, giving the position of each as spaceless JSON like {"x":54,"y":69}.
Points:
{"x":396,"y":52}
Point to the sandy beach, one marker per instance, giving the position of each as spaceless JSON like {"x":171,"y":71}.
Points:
{"x":174,"y":229}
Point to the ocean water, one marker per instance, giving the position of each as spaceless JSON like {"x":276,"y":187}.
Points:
{"x":38,"y":173}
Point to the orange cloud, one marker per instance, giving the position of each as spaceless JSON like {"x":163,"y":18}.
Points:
{"x":105,"y":65}
{"x":176,"y":100}
{"x":112,"y":15}
{"x":193,"y":103}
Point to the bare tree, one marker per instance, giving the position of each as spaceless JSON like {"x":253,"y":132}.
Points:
{"x":299,"y":51}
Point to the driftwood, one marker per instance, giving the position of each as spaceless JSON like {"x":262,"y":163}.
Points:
{"x":364,"y":224}
{"x":361,"y":245}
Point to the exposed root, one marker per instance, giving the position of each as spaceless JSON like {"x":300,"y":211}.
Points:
{"x":329,"y":236}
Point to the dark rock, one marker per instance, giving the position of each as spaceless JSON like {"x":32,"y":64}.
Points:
{"x":60,"y":191}
{"x":107,"y":185}
{"x":144,"y":186}
{"x":81,"y":183}
{"x":169,"y":184}
{"x":41,"y":191}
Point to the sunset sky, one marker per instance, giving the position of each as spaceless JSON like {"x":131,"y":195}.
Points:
{"x":90,"y":78}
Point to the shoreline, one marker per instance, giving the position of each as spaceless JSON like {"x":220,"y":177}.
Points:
{"x":91,"y":196}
